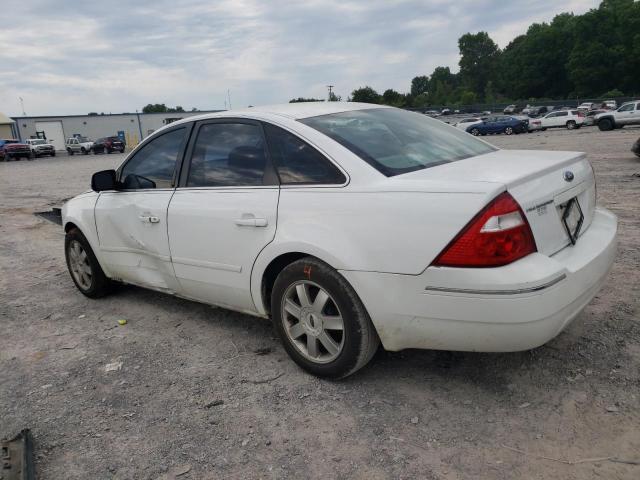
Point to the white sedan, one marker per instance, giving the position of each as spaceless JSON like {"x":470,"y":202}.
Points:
{"x":349,"y":225}
{"x":464,"y":123}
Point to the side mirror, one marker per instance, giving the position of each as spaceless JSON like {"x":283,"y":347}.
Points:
{"x":104,"y":180}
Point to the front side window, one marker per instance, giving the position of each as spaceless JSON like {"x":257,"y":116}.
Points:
{"x":626,"y":108}
{"x":299,"y":163}
{"x":153,"y":165}
{"x":228,"y":155}
{"x":395,"y":141}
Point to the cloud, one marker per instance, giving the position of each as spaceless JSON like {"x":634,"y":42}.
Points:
{"x":75,"y":57}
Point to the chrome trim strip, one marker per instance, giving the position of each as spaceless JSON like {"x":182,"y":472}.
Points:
{"x":517,"y":291}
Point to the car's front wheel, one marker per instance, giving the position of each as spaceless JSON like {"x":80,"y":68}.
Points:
{"x":322,"y":323}
{"x":69,"y":151}
{"x":508,"y":131}
{"x":571,"y":125}
{"x":83,"y":265}
{"x":605,"y":125}
{"x":475,"y":132}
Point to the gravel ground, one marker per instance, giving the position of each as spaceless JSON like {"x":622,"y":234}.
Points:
{"x":207,"y":393}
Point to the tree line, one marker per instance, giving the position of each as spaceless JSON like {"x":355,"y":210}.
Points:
{"x":596,"y":54}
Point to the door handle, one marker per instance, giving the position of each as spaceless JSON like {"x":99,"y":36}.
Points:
{"x":149,"y":219}
{"x":251,"y":222}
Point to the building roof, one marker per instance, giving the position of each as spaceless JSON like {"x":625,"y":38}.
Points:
{"x":4,"y":120}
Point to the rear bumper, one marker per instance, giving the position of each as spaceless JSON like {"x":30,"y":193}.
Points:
{"x":516,"y":307}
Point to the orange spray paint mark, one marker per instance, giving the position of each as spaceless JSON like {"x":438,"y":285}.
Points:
{"x":307,"y":271}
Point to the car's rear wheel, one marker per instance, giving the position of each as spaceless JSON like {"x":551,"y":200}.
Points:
{"x":322,"y":323}
{"x":605,"y":125}
{"x":571,"y":124}
{"x":69,"y":151}
{"x":475,"y":132}
{"x":84,"y":151}
{"x":83,"y":265}
{"x":508,"y":131}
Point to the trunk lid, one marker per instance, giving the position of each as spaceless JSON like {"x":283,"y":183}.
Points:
{"x":535,"y":179}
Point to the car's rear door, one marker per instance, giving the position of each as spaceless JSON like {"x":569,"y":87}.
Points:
{"x":132,"y":221}
{"x":224,"y":211}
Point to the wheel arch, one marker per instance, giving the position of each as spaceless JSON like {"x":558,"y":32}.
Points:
{"x":272,"y":261}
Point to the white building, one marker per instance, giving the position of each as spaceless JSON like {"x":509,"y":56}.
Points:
{"x":132,"y":126}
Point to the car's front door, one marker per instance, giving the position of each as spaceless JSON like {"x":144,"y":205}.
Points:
{"x":224,"y":212}
{"x":132,"y":222}
{"x":625,"y":114}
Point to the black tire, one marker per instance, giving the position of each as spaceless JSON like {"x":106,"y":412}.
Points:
{"x":109,"y":150}
{"x":122,"y":150}
{"x":53,"y":154}
{"x":99,"y":284}
{"x":571,"y":125}
{"x":508,"y":131}
{"x":69,"y":151}
{"x":84,"y":151}
{"x":360,"y":340}
{"x":605,"y":125}
{"x":475,"y":132}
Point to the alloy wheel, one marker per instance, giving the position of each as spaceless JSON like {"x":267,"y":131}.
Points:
{"x":79,"y":265}
{"x":312,"y":321}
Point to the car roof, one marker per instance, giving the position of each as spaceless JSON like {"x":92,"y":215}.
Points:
{"x":294,"y":111}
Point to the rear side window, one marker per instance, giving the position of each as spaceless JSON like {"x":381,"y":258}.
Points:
{"x":395,"y":141}
{"x":228,"y":155}
{"x":299,"y":163}
{"x":153,"y":165}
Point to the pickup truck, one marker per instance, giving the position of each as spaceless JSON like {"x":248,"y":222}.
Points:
{"x":40,"y":147}
{"x":78,"y":145}
{"x":11,"y":148}
{"x":627,"y":114}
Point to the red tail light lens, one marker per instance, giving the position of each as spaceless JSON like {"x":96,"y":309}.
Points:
{"x":498,"y":235}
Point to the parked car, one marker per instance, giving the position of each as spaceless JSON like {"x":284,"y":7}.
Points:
{"x":432,"y":113}
{"x":587,"y":106}
{"x":508,"y":249}
{"x":78,"y":145}
{"x":510,"y":109}
{"x":505,"y":124}
{"x":569,"y":119}
{"x":590,"y":116}
{"x":636,"y":148}
{"x":467,"y":122}
{"x":446,"y":111}
{"x":108,"y":144}
{"x":610,"y":104}
{"x":11,"y":149}
{"x":526,"y":109}
{"x":627,"y":114}
{"x":40,"y":147}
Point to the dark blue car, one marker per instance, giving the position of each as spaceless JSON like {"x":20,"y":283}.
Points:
{"x":507,"y":125}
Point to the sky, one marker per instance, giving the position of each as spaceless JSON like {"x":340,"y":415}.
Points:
{"x":74,"y":57}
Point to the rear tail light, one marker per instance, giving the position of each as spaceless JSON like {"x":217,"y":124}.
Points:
{"x":498,"y":235}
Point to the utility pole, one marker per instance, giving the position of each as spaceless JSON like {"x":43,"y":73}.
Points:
{"x":22,"y":105}
{"x":330,"y":87}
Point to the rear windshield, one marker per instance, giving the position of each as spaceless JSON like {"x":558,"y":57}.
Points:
{"x":396,"y":141}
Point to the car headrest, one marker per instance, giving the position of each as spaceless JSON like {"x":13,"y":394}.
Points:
{"x":247,"y":157}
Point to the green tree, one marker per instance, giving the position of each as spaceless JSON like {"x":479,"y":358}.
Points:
{"x":479,"y":57}
{"x":467,"y":98}
{"x":155,"y":108}
{"x":419,"y":85}
{"x":302,"y":99}
{"x":391,"y":97}
{"x":365,"y":95}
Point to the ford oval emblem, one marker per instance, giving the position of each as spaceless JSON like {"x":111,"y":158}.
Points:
{"x":568,"y":176}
